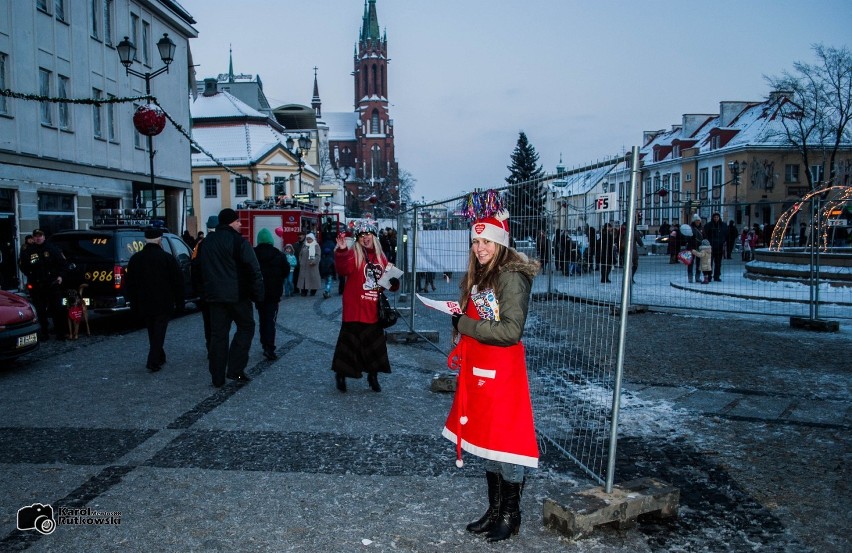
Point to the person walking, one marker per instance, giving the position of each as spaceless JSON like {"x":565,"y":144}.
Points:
{"x":491,"y":415}
{"x":605,"y":252}
{"x":155,"y":287}
{"x":326,"y":265}
{"x":275,"y":270}
{"x":297,"y":249}
{"x":361,"y":344}
{"x":692,"y":236}
{"x":733,"y":236}
{"x":716,"y":232}
{"x":232,"y":280}
{"x":45,"y":267}
{"x":293,"y":262}
{"x":309,"y":260}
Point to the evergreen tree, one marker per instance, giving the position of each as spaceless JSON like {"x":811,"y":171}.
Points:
{"x":526,"y":195}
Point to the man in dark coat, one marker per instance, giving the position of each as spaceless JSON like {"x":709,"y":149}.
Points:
{"x":733,"y":236}
{"x":45,"y":267}
{"x":231,"y":280}
{"x":275,"y":269}
{"x":155,"y":288}
{"x":717,"y":233}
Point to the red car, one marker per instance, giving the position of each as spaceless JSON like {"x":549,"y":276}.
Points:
{"x":19,"y":326}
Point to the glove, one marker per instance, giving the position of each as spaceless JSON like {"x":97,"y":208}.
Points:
{"x":456,"y":321}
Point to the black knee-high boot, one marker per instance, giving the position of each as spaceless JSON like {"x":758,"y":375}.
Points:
{"x":490,"y":517}
{"x":509,"y":521}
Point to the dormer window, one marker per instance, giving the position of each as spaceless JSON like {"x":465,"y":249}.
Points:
{"x":676,"y":151}
{"x":715,"y":142}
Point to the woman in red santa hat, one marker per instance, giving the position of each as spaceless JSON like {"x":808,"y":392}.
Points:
{"x":361,"y":344}
{"x":491,"y":416}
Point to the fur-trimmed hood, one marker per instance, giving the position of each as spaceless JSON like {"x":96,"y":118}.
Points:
{"x":526,"y":266}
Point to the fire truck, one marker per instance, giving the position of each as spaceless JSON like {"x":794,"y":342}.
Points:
{"x":286,"y":223}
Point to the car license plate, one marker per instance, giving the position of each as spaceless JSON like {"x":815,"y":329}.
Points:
{"x":27,"y":340}
{"x":87,"y":301}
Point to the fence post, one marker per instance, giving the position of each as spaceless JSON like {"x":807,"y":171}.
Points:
{"x":413,"y":275}
{"x":622,"y":329}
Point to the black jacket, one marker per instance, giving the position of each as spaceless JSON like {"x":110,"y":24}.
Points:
{"x":154,"y":282}
{"x":274,"y":267}
{"x":229,"y":269}
{"x":716,"y":232}
{"x":43,"y":263}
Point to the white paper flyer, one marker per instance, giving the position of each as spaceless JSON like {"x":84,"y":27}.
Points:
{"x":448,"y":307}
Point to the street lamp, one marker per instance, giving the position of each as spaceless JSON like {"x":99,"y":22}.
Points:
{"x":301,"y":151}
{"x":734,"y":167}
{"x":127,"y":54}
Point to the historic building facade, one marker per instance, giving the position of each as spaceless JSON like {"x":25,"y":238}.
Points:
{"x":65,"y":164}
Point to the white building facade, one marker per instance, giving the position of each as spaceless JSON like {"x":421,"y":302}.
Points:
{"x":63,"y":165}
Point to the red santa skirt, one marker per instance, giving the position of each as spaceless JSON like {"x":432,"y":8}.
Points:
{"x":491,"y":416}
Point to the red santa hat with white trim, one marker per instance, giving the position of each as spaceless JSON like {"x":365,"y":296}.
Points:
{"x":494,"y":228}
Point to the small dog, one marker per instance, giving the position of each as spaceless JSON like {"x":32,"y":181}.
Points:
{"x":77,"y":311}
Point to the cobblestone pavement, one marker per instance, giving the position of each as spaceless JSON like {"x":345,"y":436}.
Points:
{"x":754,"y":431}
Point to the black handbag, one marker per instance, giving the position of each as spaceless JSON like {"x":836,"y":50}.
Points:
{"x":387,"y":314}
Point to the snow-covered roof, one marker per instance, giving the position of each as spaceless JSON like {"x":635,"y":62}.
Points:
{"x":580,"y":182}
{"x":341,"y":125}
{"x":237,"y":144}
{"x":221,"y":105}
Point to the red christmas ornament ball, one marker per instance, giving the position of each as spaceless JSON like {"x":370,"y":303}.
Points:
{"x":149,"y":120}
{"x":374,"y":199}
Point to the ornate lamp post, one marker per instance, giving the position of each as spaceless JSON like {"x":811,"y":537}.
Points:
{"x":304,"y":144}
{"x":149,"y":120}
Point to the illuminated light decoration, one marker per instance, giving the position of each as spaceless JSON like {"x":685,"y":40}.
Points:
{"x":149,"y":120}
{"x":844,"y":195}
{"x":662,"y":192}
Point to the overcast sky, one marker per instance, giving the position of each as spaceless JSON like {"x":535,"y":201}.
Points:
{"x":583,"y":79}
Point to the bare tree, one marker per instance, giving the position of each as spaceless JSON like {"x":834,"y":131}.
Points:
{"x":817,"y":110}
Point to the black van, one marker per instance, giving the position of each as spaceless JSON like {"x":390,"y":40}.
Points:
{"x":98,"y":257}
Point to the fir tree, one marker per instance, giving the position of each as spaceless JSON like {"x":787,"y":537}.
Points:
{"x":526,"y":195}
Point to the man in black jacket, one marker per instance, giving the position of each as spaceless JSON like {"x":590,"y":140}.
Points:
{"x":231,"y":280}
{"x":45,"y":267}
{"x":275,"y":269}
{"x":717,"y":233}
{"x":155,"y":287}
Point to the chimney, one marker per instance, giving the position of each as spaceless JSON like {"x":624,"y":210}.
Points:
{"x":693,"y":121}
{"x":211,"y":87}
{"x":728,"y":111}
{"x":777,"y":95}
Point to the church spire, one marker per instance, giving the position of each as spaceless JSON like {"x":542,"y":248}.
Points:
{"x":316,"y":103}
{"x":370,"y":25}
{"x":230,"y":64}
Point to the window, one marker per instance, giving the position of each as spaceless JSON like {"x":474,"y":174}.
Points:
{"x":376,"y":161}
{"x":241,"y":186}
{"x":110,"y":111}
{"x":55,"y":212}
{"x":146,"y":43}
{"x":791,"y":172}
{"x":715,"y":142}
{"x":62,"y":86}
{"x":676,"y":151}
{"x":817,"y":174}
{"x":96,"y":15}
{"x":211,"y":188}
{"x":3,"y":85}
{"x":97,"y":114}
{"x":44,"y":90}
{"x":108,"y":22}
{"x":280,"y":186}
{"x":717,"y":181}
{"x":703,"y":183}
{"x":374,"y":122}
{"x":134,"y":33}
{"x":59,"y":9}
{"x":42,"y":5}
{"x":137,"y":136}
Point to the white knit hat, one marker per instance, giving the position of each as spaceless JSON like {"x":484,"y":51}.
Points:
{"x":494,"y":228}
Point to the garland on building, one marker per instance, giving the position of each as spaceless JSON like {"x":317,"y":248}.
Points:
{"x":116,"y":100}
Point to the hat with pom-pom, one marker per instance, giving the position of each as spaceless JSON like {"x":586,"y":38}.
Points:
{"x":494,"y":228}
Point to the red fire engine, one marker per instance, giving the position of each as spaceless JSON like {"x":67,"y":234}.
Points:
{"x":290,"y":221}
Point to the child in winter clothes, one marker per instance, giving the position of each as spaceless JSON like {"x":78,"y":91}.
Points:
{"x":704,"y":253}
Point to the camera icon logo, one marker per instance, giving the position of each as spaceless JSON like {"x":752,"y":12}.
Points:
{"x":37,"y":517}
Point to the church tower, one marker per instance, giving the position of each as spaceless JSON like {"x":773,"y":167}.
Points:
{"x":374,"y":133}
